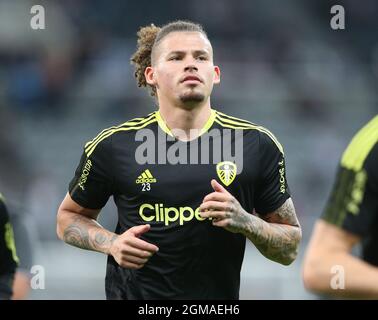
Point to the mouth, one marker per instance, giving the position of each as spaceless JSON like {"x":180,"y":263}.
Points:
{"x":191,"y":79}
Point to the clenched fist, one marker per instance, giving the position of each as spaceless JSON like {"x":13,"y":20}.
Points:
{"x":131,"y":252}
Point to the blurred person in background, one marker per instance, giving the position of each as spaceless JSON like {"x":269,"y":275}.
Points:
{"x":350,"y":217}
{"x":8,"y":256}
{"x":163,"y":248}
{"x":16,"y":235}
{"x":24,"y":244}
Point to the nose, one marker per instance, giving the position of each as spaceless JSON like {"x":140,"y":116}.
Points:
{"x":191,"y":67}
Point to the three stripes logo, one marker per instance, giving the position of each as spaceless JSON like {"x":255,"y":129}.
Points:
{"x":146,"y":177}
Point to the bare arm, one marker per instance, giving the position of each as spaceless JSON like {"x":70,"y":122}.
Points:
{"x":21,"y":286}
{"x":330,"y":246}
{"x":77,"y":226}
{"x":277,"y":237}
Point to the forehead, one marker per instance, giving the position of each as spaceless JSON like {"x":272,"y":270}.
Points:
{"x":184,"y":41}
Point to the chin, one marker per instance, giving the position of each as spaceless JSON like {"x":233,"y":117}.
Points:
{"x":192,"y":97}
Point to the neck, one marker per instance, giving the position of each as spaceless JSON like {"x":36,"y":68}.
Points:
{"x":186,"y":119}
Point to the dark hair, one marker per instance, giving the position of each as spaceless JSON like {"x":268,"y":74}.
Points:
{"x":148,"y":38}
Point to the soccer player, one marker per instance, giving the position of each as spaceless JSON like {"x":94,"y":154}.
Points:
{"x":350,"y":217}
{"x":182,"y":225}
{"x":8,"y":257}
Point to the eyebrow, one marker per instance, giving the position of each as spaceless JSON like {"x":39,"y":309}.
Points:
{"x":195,"y":52}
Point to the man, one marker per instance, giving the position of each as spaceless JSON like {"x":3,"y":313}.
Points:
{"x":8,"y":257}
{"x":181,"y":233}
{"x":350,"y":217}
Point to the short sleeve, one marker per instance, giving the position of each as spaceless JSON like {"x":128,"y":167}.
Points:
{"x":272,"y":188}
{"x":91,"y":186}
{"x":353,"y":203}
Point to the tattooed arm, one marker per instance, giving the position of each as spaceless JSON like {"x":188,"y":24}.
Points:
{"x":276,"y":236}
{"x":77,"y":226}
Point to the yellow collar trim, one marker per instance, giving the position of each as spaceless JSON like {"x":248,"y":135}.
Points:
{"x":205,"y":128}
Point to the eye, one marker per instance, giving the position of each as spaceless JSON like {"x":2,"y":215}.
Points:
{"x":174,"y":58}
{"x":202,"y":58}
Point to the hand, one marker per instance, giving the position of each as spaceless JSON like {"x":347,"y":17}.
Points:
{"x":224,"y":209}
{"x":131,"y":252}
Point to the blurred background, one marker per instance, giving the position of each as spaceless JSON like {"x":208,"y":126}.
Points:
{"x":282,"y":67}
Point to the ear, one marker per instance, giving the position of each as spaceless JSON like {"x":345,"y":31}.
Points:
{"x":150,"y":76}
{"x":217,"y":74}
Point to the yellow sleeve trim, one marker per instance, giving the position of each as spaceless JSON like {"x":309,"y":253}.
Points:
{"x":9,"y":241}
{"x":89,"y":150}
{"x":235,"y":124}
{"x":359,"y":148}
{"x":130,"y":123}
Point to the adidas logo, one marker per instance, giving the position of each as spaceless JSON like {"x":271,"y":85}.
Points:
{"x":146,"y":177}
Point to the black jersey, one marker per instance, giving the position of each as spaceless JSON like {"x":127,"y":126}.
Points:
{"x":196,"y":260}
{"x":8,"y":257}
{"x":353,"y":204}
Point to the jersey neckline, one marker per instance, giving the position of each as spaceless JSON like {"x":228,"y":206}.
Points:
{"x":163,"y":126}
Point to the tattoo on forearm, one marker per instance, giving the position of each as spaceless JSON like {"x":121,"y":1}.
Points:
{"x":285,"y":214}
{"x":278,"y":237}
{"x":79,"y":235}
{"x":100,"y":239}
